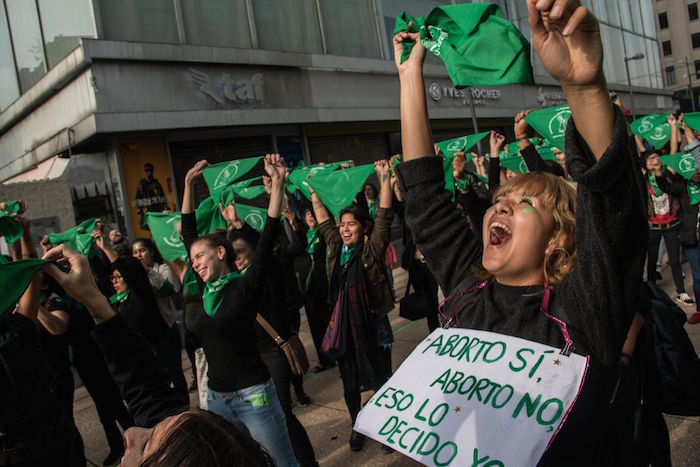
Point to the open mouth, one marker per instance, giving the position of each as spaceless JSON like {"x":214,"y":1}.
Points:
{"x":499,"y":234}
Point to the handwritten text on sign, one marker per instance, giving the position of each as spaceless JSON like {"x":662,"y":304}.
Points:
{"x":474,"y":398}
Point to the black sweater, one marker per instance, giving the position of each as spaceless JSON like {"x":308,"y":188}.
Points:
{"x":677,"y":186}
{"x":229,"y":337}
{"x":597,"y":300}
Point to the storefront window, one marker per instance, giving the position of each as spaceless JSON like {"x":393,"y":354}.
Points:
{"x":26,"y":37}
{"x":64,"y":23}
{"x":139,"y":20}
{"x":278,"y":25}
{"x":350,"y":28}
{"x":9,"y":90}
{"x":647,"y":14}
{"x":221,"y":23}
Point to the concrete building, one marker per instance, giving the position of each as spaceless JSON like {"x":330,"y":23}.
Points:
{"x":168,"y":82}
{"x":678,"y":30}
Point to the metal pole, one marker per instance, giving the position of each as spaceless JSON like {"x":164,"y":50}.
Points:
{"x":629,"y":88}
{"x":474,"y":122}
{"x":690,"y":85}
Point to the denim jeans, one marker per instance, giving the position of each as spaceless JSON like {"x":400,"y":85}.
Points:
{"x":258,"y":408}
{"x":693,"y":255}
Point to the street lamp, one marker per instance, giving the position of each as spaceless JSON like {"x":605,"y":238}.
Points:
{"x":638,"y":56}
{"x":690,"y":82}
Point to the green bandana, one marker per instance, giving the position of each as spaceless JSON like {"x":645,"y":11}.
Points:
{"x":119,"y":297}
{"x":551,"y":123}
{"x":219,"y":176}
{"x":478,"y":47}
{"x":684,"y":164}
{"x":14,"y":280}
{"x":337,"y":190}
{"x":164,"y":231}
{"x":251,"y":215}
{"x":10,"y":228}
{"x":449,"y":147}
{"x":514,"y":148}
{"x":297,"y":177}
{"x":12,"y":207}
{"x":345,"y":254}
{"x":516,"y":164}
{"x":654,"y":186}
{"x":241,"y":190}
{"x":653,"y":128}
{"x":190,"y":286}
{"x":372,"y":208}
{"x":311,"y":240}
{"x":692,"y":119}
{"x":214,"y":292}
{"x":78,"y":238}
{"x":463,"y":183}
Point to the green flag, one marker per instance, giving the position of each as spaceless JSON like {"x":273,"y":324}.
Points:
{"x":514,"y":148}
{"x":478,"y":47}
{"x":551,"y":123}
{"x":297,"y":177}
{"x":12,"y":207}
{"x":684,"y":164}
{"x":164,"y":230}
{"x":251,"y":215}
{"x":10,"y":228}
{"x":462,"y":143}
{"x":241,"y":190}
{"x":338,"y":189}
{"x":219,"y":176}
{"x":653,"y":128}
{"x":547,"y":153}
{"x":14,"y":280}
{"x":692,"y":119}
{"x":78,"y":238}
{"x":516,"y":164}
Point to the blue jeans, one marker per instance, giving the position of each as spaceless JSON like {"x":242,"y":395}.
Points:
{"x":693,"y":255}
{"x":260,"y":411}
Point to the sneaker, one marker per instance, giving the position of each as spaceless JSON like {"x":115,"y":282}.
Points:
{"x":357,"y":441}
{"x":684,"y":298}
{"x":304,"y":400}
{"x":695,"y":318}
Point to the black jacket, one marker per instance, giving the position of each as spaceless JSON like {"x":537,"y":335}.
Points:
{"x":676,"y":185}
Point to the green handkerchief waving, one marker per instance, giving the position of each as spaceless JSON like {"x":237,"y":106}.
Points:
{"x":653,"y":128}
{"x":219,"y":176}
{"x":338,"y":189}
{"x":551,"y":123}
{"x":78,"y":238}
{"x":14,"y":280}
{"x":478,"y":47}
{"x":684,"y":164}
{"x":164,"y":230}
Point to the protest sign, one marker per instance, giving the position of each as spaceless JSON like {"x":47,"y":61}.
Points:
{"x":466,"y":397}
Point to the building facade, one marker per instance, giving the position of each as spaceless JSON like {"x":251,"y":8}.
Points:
{"x":168,"y":82}
{"x":678,"y":29}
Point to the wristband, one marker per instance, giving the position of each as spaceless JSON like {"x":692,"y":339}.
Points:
{"x":521,"y":137}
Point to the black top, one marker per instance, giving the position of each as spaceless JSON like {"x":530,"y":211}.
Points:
{"x":676,"y":185}
{"x":597,"y":300}
{"x":229,"y":337}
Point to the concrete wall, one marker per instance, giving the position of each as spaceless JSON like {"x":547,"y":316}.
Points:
{"x":45,"y":199}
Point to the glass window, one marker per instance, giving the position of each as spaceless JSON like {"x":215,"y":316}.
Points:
{"x":278,"y":25}
{"x":624,"y":9}
{"x":692,"y":11}
{"x":350,"y":28}
{"x":648,"y":19}
{"x":696,"y":40}
{"x":26,"y":37}
{"x":139,"y":20}
{"x":64,"y":23}
{"x":614,"y":55}
{"x":666,"y":46}
{"x":670,"y":75}
{"x":9,"y":88}
{"x":636,"y":13}
{"x":221,"y":23}
{"x":663,"y":20}
{"x":653,"y":58}
{"x":638,"y":69}
{"x":613,"y":12}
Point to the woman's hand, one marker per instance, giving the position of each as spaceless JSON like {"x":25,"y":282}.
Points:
{"x":275,"y":169}
{"x":496,"y":141}
{"x":195,"y":172}
{"x":520,"y":125}
{"x":381,"y":167}
{"x":414,"y":63}
{"x":566,"y":37}
{"x":78,"y":282}
{"x":459,"y":164}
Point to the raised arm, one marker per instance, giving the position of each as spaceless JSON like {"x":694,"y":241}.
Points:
{"x":671,"y":120}
{"x":496,"y":141}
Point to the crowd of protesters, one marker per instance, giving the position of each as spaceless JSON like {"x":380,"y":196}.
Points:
{"x":555,"y":255}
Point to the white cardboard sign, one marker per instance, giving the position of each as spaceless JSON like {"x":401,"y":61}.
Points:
{"x":475,"y":398}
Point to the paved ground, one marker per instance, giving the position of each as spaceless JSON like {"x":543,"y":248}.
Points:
{"x":327,"y":422}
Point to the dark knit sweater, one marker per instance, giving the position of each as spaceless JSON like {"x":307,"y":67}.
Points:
{"x":229,"y":337}
{"x":597,"y":300}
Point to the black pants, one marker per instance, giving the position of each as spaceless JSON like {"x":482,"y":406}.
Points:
{"x":191,"y":344}
{"x":93,"y":371}
{"x":380,"y":363}
{"x":423,"y":282}
{"x":673,"y":248}
{"x":318,"y":312}
{"x":169,"y":351}
{"x":281,"y":373}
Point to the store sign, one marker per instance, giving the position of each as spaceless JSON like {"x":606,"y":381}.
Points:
{"x":480,"y":96}
{"x":226,"y":88}
{"x":551,"y":98}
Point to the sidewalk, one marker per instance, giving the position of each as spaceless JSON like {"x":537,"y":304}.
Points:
{"x":327,"y":422}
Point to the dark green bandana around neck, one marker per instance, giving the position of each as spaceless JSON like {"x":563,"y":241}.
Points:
{"x":346,"y":253}
{"x":311,"y":240}
{"x":214,"y":292}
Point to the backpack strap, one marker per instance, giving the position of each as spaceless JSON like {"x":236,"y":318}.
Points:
{"x":544,"y":307}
